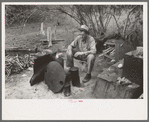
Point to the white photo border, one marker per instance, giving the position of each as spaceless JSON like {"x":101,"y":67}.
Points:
{"x":89,"y":109}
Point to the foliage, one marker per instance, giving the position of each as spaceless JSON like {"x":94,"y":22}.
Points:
{"x":97,"y":17}
{"x":17,"y":13}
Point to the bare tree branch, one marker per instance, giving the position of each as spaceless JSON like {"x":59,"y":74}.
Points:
{"x":116,"y":24}
{"x":125,"y":26}
{"x":96,"y":21}
{"x":100,"y":17}
{"x":107,"y":22}
{"x":27,"y":20}
{"x":70,"y":15}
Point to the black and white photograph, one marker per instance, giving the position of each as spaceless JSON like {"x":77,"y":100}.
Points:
{"x":74,"y":52}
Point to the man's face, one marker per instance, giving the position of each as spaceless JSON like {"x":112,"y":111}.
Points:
{"x":83,"y":34}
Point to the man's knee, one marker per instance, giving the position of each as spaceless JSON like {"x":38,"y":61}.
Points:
{"x":91,"y":57}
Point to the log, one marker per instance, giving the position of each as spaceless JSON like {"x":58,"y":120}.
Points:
{"x":13,"y":51}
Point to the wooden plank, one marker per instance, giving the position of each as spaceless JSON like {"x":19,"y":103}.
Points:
{"x":121,"y":47}
{"x":110,"y":49}
{"x":109,"y":57}
{"x":117,"y":50}
{"x":43,"y":40}
{"x":113,"y":51}
{"x":109,"y":43}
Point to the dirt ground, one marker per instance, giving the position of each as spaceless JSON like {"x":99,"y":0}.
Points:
{"x":17,"y":86}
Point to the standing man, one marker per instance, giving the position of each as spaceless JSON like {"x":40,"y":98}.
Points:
{"x":82,"y":48}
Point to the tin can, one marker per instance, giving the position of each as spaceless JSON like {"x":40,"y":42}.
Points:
{"x":75,"y":76}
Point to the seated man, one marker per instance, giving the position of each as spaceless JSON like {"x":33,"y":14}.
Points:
{"x":82,"y":48}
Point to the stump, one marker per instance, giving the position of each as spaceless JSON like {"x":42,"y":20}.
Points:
{"x":49,"y":36}
{"x":107,"y":88}
{"x":41,"y":29}
{"x":110,"y":90}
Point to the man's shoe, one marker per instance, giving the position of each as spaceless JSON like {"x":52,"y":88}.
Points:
{"x":86,"y":78}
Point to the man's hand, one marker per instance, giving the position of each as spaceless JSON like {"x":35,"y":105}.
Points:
{"x":78,"y":53}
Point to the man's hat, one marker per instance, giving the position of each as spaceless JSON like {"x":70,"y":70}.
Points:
{"x":84,"y":28}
